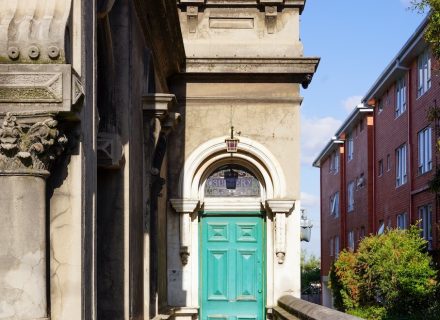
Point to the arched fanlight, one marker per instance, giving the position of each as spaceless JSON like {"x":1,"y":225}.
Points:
{"x":231,"y":178}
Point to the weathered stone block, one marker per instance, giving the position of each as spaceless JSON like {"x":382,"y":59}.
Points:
{"x":50,"y":88}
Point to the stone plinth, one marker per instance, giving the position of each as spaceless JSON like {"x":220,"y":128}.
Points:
{"x":23,"y":245}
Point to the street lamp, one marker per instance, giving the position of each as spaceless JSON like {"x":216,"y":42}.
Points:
{"x":232,"y":143}
{"x":306,"y":227}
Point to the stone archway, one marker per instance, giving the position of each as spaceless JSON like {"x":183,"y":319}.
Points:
{"x":198,"y":166}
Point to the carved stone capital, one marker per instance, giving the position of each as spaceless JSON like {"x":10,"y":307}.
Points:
{"x":158,"y":104}
{"x":184,"y":205}
{"x":280,"y":206}
{"x":29,"y":144}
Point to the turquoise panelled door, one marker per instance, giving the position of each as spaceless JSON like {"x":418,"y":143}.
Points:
{"x":232,"y":273}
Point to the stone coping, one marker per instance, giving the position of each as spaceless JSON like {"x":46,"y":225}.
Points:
{"x":290,"y":307}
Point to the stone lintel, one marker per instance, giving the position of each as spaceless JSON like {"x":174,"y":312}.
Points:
{"x":38,"y":88}
{"x":184,"y":205}
{"x":280,"y":206}
{"x":298,"y":65}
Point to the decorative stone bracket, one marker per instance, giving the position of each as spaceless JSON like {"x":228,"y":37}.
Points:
{"x":110,"y":150}
{"x":271,"y":8}
{"x":280,"y":210}
{"x":271,"y":13}
{"x":158,"y":105}
{"x":185,"y":207}
{"x":192,"y":13}
{"x":33,"y":31}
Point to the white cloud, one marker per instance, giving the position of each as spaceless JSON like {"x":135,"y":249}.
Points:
{"x":315,"y":134}
{"x":309,"y":200}
{"x":351,"y":102}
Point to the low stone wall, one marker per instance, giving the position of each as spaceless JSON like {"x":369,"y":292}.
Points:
{"x":291,"y":308}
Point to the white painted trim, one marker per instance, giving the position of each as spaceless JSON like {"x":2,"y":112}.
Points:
{"x":233,"y":204}
{"x":249,"y":151}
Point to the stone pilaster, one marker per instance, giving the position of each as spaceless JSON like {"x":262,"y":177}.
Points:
{"x":185,"y":207}
{"x":27,"y":148}
{"x":37,"y":87}
{"x":280,"y":209}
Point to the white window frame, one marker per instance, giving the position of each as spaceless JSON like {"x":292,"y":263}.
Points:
{"x":425,"y":150}
{"x":350,"y":147}
{"x":401,"y":165}
{"x":334,"y":162}
{"x":400,"y":97}
{"x":380,"y":106}
{"x":402,"y":221}
{"x":424,"y":73}
{"x":425,"y":216}
{"x":332,"y":247}
{"x":336,"y":246}
{"x":334,"y":205}
{"x":362,"y":233}
{"x":351,"y":240}
{"x":350,"y":196}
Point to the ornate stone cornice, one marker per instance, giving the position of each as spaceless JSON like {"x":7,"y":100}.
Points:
{"x":33,"y":30}
{"x":31,"y":146}
{"x":301,"y":68}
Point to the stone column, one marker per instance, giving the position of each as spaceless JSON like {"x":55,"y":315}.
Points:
{"x":27,"y":146}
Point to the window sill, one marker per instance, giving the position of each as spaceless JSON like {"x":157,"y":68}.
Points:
{"x":421,"y":174}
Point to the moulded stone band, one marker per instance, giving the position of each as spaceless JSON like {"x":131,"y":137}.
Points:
{"x":26,"y":172}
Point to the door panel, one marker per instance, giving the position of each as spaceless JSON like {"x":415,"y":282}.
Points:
{"x":231,"y":268}
{"x":218,"y":280}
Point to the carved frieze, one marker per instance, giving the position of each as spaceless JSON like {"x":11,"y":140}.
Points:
{"x":29,"y":145}
{"x":38,"y":88}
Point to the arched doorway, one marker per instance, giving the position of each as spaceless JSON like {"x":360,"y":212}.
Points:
{"x":198,"y":203}
{"x":232,"y":243}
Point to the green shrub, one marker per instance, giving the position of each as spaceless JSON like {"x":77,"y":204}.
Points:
{"x":389,"y":275}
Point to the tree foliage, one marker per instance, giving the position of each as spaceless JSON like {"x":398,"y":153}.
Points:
{"x":310,"y":271}
{"x":390,"y":276}
{"x":432,"y":33}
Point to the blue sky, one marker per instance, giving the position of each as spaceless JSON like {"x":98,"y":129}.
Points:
{"x":356,"y":40}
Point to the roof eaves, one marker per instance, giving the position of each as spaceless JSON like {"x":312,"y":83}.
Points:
{"x":395,"y":67}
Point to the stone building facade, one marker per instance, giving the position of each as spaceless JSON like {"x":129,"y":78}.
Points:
{"x":115,"y":202}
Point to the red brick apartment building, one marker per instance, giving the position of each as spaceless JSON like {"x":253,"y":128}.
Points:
{"x":375,"y":170}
